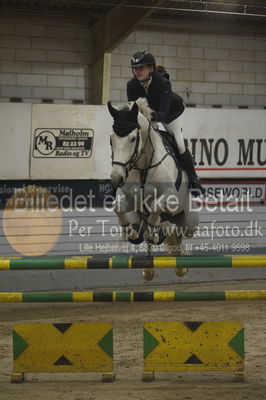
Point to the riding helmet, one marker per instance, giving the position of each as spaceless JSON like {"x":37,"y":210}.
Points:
{"x":142,"y":58}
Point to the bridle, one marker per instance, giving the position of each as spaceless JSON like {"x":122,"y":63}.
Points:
{"x":123,"y":131}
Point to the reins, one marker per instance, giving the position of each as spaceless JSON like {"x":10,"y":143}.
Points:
{"x":132,"y":162}
{"x":142,"y":151}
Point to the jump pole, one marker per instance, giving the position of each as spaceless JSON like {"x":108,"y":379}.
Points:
{"x":133,"y":262}
{"x":72,"y":297}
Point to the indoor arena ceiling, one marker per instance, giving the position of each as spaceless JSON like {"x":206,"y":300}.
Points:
{"x":248,"y":14}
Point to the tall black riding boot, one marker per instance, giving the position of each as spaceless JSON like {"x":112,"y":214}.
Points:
{"x":187,"y":163}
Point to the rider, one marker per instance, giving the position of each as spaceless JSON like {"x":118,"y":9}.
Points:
{"x":167,"y":106}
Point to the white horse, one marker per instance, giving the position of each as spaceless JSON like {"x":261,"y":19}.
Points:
{"x":152,"y":200}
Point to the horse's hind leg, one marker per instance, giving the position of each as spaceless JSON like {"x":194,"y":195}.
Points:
{"x":148,"y":273}
{"x":152,"y":236}
{"x":173,"y":243}
{"x":186,"y":225}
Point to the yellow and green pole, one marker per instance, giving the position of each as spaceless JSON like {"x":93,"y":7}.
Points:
{"x":133,"y":262}
{"x":172,"y":296}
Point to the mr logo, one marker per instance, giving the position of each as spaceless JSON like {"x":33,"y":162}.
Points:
{"x":45,"y":142}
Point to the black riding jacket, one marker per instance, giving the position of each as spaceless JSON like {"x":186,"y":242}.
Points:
{"x":166,"y":104}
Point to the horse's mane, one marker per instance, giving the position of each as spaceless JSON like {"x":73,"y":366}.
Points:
{"x":142,"y":104}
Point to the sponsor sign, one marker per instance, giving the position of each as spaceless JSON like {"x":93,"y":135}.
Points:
{"x":70,"y":142}
{"x":63,"y":143}
{"x":226,"y":192}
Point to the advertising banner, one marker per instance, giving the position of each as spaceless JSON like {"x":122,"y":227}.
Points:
{"x":56,"y":141}
{"x":227,"y":143}
{"x":72,"y":142}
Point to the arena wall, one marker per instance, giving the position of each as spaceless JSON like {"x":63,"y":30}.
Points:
{"x":49,"y":59}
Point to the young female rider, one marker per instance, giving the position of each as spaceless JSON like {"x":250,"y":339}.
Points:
{"x":167,"y":106}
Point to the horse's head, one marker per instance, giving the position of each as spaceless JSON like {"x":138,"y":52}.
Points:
{"x":125,"y":142}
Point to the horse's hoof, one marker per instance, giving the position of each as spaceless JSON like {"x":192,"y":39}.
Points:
{"x":181,"y":271}
{"x":137,"y":233}
{"x":161,"y":237}
{"x":148,"y":274}
{"x":155,"y":240}
{"x":154,"y":235}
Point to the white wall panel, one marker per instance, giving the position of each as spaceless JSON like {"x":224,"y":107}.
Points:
{"x":15,"y":131}
{"x":51,"y":158}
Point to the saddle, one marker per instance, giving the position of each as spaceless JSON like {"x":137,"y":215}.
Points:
{"x":169,"y":143}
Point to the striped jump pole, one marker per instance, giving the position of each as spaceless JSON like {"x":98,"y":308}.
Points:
{"x":72,"y":297}
{"x":133,"y":262}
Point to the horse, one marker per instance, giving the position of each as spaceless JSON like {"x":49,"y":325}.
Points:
{"x":152,"y":198}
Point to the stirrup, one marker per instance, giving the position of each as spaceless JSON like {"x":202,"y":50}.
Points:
{"x":196,"y":189}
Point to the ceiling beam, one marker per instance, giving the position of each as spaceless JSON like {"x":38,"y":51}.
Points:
{"x":211,"y":26}
{"x":107,"y":33}
{"x":113,"y":28}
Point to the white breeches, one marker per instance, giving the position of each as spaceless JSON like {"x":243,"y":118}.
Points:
{"x":176,"y":127}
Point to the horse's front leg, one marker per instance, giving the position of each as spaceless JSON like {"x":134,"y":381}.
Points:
{"x":122,"y":205}
{"x":154,"y":233}
{"x":132,"y":230}
{"x":160,"y":203}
